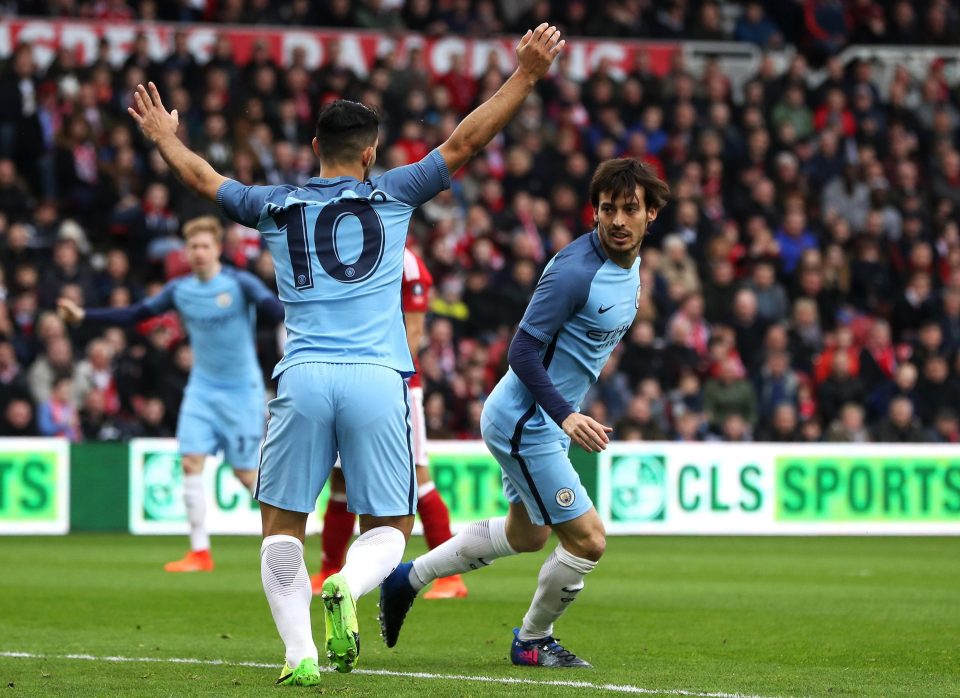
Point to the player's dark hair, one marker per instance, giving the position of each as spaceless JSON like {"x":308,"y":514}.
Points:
{"x":621,"y":177}
{"x":344,"y":129}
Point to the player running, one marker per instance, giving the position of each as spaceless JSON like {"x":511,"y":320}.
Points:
{"x":338,"y":520}
{"x":585,"y":302}
{"x":223,"y":404}
{"x":337,"y":244}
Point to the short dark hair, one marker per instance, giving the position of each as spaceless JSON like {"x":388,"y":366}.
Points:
{"x":622,"y":176}
{"x":344,"y":129}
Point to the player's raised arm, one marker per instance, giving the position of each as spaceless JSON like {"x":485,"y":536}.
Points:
{"x":535,"y":54}
{"x":160,"y":127}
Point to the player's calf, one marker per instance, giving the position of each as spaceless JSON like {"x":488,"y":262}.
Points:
{"x":582,"y":542}
{"x":558,"y":585}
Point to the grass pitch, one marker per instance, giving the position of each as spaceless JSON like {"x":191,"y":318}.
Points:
{"x":756,"y":616}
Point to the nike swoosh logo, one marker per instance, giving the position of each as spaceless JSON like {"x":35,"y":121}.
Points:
{"x":603,"y":310}
{"x":571,"y":591}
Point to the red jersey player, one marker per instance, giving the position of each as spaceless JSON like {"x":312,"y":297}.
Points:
{"x":337,"y":521}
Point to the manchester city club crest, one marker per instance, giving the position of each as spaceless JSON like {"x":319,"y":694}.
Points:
{"x":566,"y":497}
{"x":636,"y":302}
{"x":224,"y":300}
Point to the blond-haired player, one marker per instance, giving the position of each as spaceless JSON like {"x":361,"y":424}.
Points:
{"x":223,"y":405}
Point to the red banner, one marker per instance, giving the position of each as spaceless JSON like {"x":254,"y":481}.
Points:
{"x":357,"y":50}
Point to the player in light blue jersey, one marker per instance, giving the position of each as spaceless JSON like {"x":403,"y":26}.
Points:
{"x":584,"y":304}
{"x":223,"y":404}
{"x":337,"y":243}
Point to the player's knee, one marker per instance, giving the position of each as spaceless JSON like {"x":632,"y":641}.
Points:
{"x":594,"y":546}
{"x":530,"y":541}
{"x":590,"y":545}
{"x":193,"y":464}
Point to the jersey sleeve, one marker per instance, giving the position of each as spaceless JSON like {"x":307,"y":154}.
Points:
{"x":163,"y":301}
{"x":524,"y":358}
{"x":416,"y":184}
{"x":261,"y":297}
{"x":119,"y":316}
{"x":557,"y":297}
{"x":243,"y":203}
{"x":253,"y":288}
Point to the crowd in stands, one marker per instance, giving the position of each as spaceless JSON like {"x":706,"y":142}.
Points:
{"x":803,"y":284}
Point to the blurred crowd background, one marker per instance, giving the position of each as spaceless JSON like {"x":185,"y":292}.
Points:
{"x":802,"y":285}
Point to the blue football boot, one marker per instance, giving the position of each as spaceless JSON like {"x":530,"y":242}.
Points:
{"x":396,"y":598}
{"x":547,"y":652}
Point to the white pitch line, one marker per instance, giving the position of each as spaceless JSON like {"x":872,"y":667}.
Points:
{"x":609,"y":687}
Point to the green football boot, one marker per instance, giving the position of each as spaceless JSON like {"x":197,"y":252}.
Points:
{"x":343,"y":633}
{"x":307,"y":673}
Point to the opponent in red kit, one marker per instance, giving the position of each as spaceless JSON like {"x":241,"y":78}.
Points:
{"x":338,"y":521}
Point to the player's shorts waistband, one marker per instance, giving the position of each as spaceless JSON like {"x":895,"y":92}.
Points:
{"x":339,"y":361}
{"x":224,"y":386}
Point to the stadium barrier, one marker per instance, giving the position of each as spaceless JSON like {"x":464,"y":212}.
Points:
{"x":48,"y":486}
{"x":358,"y":50}
{"x":34,"y":486}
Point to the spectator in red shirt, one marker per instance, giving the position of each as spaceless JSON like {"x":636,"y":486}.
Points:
{"x":460,"y":84}
{"x":834,"y":113}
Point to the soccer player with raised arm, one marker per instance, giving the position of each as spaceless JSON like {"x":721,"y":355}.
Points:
{"x":338,"y":520}
{"x":223,"y":404}
{"x":584,"y":304}
{"x":337,"y":243}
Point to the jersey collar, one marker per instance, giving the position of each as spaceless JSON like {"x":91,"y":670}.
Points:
{"x":332,"y":181}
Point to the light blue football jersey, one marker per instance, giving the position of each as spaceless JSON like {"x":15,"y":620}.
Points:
{"x":220,"y":317}
{"x":583,"y":306}
{"x":337,"y":247}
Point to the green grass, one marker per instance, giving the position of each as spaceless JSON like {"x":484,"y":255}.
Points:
{"x":764,"y":616}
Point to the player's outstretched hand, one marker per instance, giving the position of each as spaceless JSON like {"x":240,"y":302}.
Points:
{"x":154,"y":120}
{"x":69,"y":311}
{"x":538,"y":48}
{"x":586,"y":432}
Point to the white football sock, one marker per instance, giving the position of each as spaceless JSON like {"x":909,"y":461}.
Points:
{"x":287,"y":586}
{"x":561,"y":579}
{"x":373,"y":556}
{"x":474,"y":547}
{"x":196,"y":502}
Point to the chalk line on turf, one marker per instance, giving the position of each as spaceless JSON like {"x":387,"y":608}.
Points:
{"x":608,"y":687}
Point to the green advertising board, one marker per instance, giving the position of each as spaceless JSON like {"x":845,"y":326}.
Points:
{"x":469,"y":481}
{"x":638,"y":488}
{"x":34,"y":486}
{"x":779,"y":489}
{"x":868,"y":488}
{"x":682,"y":488}
{"x":156,"y":494}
